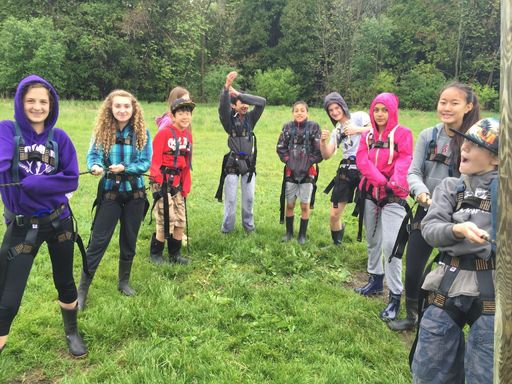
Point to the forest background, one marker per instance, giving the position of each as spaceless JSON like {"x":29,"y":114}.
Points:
{"x":284,"y":49}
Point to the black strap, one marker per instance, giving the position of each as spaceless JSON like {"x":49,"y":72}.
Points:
{"x":282,"y":197}
{"x":78,"y":240}
{"x":223,"y":174}
{"x":165,"y":196}
{"x":403,"y":234}
{"x":252,"y":160}
{"x":313,"y":194}
{"x":359,"y":210}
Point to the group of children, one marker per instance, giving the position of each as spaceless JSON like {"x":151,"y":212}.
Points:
{"x":378,"y":170}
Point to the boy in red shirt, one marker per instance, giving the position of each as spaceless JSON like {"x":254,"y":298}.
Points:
{"x":170,"y":171}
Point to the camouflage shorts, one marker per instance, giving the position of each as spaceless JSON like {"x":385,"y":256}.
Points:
{"x":176,"y":213}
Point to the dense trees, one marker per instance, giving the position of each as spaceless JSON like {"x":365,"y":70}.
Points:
{"x":358,"y":47}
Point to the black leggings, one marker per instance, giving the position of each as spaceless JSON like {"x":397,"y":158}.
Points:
{"x":14,"y":273}
{"x":418,"y":253}
{"x":129,"y":213}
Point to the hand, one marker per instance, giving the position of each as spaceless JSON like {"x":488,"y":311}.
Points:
{"x":96,"y":170}
{"x":116,"y":168}
{"x":471,"y":232}
{"x":351,"y":129}
{"x":424,"y":199}
{"x":325,"y":136}
{"x":233,"y":92}
{"x":230,"y":78}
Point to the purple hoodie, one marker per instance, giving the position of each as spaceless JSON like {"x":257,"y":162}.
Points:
{"x":41,"y":191}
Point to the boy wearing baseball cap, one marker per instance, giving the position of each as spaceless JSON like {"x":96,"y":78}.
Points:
{"x":461,"y":224}
{"x":171,"y":181}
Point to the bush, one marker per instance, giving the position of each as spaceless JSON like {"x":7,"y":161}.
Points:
{"x":26,"y":47}
{"x":419,"y":88}
{"x":214,"y":80}
{"x":488,"y":97}
{"x":384,"y":81}
{"x":279,"y":86}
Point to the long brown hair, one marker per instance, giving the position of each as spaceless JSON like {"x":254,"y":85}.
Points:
{"x":104,"y":131}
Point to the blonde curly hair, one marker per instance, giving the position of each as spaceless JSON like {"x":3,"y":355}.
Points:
{"x":104,"y":131}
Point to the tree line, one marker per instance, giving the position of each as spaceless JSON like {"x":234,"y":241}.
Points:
{"x":285,"y":49}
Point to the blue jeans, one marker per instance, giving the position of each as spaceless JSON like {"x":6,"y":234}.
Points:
{"x":230,"y":202}
{"x":440,"y":355}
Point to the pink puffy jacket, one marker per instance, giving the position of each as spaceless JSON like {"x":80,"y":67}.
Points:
{"x":383,"y":168}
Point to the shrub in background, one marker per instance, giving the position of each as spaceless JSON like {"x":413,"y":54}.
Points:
{"x":488,"y":97}
{"x":419,"y":88}
{"x":279,"y":86}
{"x":214,"y":80}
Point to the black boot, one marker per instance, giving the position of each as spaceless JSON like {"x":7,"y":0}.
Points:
{"x":174,"y":247}
{"x":301,"y":239}
{"x":289,"y":228}
{"x":83,"y":289}
{"x":156,"y":250}
{"x":337,"y":236}
{"x":125,"y":268}
{"x":392,"y":309}
{"x":75,"y":342}
{"x":373,"y":287}
{"x":409,"y":323}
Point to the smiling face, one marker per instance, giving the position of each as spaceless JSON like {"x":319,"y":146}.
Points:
{"x":36,"y":105}
{"x":240,"y":107}
{"x":122,"y":110}
{"x":336,"y":112}
{"x":182,"y":118}
{"x":300,"y":113}
{"x":452,"y":107}
{"x":381,"y":115}
{"x":476,"y":160}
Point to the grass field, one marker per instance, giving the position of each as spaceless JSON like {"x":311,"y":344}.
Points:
{"x":249,"y":309}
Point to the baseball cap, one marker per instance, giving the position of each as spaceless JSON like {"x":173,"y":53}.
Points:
{"x":484,"y":133}
{"x":182,"y":102}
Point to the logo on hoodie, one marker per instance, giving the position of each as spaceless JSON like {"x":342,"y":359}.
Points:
{"x":35,"y":167}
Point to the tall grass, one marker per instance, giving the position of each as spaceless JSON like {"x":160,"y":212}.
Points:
{"x":249,"y":309}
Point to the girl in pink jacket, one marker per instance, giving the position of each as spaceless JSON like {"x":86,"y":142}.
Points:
{"x":383,"y":158}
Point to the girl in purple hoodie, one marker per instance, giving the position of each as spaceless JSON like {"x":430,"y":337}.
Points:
{"x":383,"y":158}
{"x":42,"y":173}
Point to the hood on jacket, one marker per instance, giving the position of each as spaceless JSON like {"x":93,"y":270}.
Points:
{"x":19,"y":113}
{"x":390,"y":101}
{"x":335,"y":97}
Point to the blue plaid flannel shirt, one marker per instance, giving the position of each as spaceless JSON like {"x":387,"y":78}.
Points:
{"x":122,"y":154}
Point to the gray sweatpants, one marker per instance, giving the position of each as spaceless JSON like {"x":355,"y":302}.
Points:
{"x":230,"y":200}
{"x":385,"y":222}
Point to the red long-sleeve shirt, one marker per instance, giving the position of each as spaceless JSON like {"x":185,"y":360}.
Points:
{"x":164,"y":148}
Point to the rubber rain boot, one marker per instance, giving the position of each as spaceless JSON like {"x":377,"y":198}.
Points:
{"x":75,"y":342}
{"x":392,"y":309}
{"x":289,"y":228}
{"x":125,"y":268}
{"x":410,"y":321}
{"x":374,"y":286}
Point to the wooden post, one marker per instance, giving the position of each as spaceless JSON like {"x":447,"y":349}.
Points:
{"x":503,"y":323}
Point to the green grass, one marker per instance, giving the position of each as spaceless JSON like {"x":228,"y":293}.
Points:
{"x":249,"y":309}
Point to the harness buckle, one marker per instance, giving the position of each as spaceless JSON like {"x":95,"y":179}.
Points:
{"x":19,"y":220}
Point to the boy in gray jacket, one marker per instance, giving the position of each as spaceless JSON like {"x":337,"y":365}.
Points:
{"x":459,"y":222}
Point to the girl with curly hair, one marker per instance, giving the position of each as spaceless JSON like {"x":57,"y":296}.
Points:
{"x":120,"y":152}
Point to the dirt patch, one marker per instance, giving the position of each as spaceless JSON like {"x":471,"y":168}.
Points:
{"x":358,"y":279}
{"x":33,"y":377}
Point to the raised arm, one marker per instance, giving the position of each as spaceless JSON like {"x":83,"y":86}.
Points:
{"x":258,"y":102}
{"x":328,"y":143}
